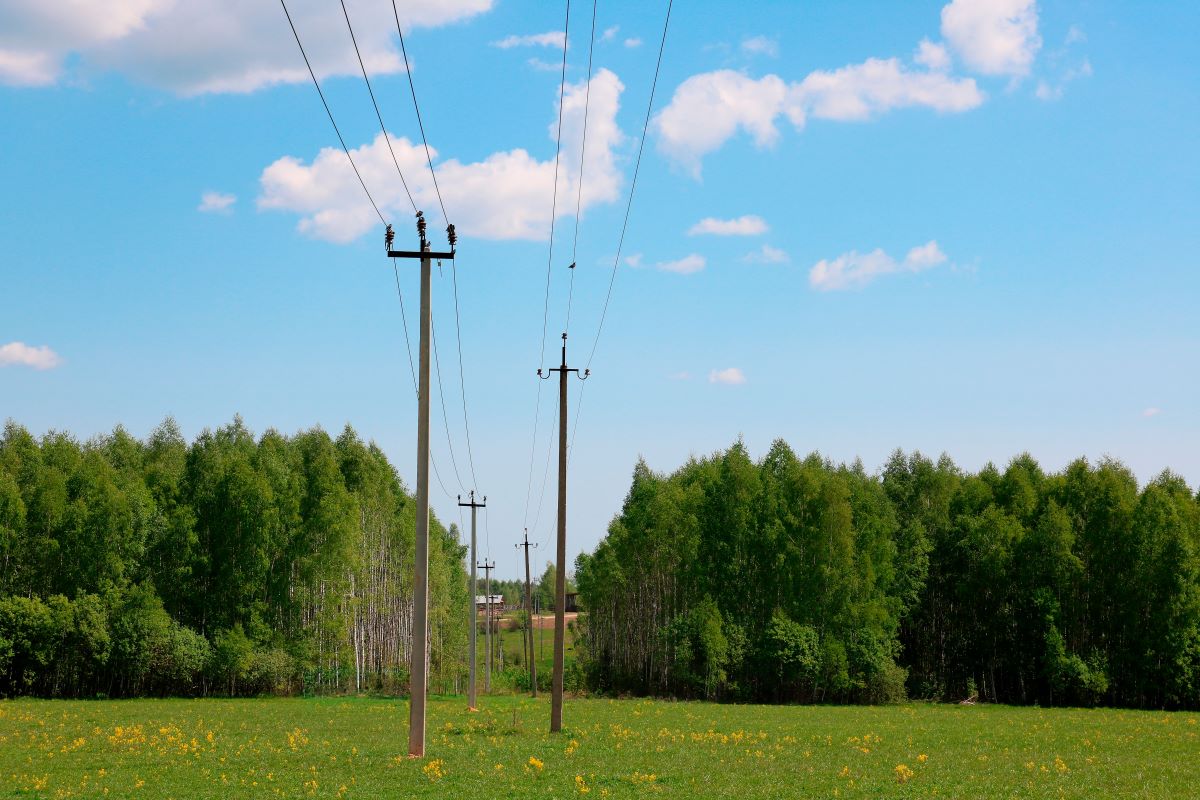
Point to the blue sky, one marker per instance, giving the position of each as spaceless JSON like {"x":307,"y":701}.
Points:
{"x":962,"y":226}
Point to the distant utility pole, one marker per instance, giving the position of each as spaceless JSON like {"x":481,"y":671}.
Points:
{"x":487,"y":615}
{"x":560,"y":579}
{"x":474,"y":606}
{"x":528,"y":638}
{"x":418,"y":667}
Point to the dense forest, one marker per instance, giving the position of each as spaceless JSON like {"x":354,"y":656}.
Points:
{"x":797,"y":580}
{"x":230,"y":565}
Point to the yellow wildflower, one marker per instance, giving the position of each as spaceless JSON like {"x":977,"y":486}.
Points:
{"x":536,"y":763}
{"x":903,"y":773}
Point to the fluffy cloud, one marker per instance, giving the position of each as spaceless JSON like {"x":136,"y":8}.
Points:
{"x":22,"y":355}
{"x":550,"y":39}
{"x":216,"y":203}
{"x":504,"y":196}
{"x":203,"y":46}
{"x":610,"y":33}
{"x":993,"y":37}
{"x":760,"y":46}
{"x":855,"y":270}
{"x":732,"y":376}
{"x":633,"y":42}
{"x":866,"y":90}
{"x":1151,"y":412}
{"x":748,"y":225}
{"x":933,"y":56}
{"x":709,"y":109}
{"x":683,"y":266}
{"x":766,"y":255}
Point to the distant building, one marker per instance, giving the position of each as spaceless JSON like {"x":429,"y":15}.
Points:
{"x":481,"y":602}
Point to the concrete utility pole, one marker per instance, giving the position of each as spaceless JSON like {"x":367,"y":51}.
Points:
{"x":474,"y":607}
{"x":418,"y":666}
{"x":528,"y":639}
{"x":560,"y":578}
{"x":487,"y":615}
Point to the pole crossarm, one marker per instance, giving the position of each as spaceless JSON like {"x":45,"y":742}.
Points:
{"x":418,"y":254}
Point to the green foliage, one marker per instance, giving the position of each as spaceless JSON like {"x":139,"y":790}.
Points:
{"x":1014,"y":585}
{"x":232,"y":565}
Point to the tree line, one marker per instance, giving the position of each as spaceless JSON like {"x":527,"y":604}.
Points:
{"x":796,"y":579}
{"x":230,"y":565}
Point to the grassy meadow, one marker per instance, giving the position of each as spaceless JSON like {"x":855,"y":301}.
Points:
{"x":611,"y":748}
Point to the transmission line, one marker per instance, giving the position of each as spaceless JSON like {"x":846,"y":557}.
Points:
{"x":633,"y":185}
{"x":333,"y":122}
{"x":417,"y":107}
{"x":549,"y":260}
{"x":454,"y":272}
{"x":413,"y":370}
{"x":378,"y":115}
{"x":587,"y":101}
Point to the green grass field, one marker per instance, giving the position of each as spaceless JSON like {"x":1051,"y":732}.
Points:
{"x":627,"y":748}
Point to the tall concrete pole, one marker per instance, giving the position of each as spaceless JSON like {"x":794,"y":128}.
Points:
{"x":474,"y":606}
{"x":487,"y":615}
{"x":560,"y":578}
{"x":528,"y":639}
{"x":420,"y":649}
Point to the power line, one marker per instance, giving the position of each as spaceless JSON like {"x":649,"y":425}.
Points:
{"x":336,"y":130}
{"x":562,"y":88}
{"x":378,"y":115}
{"x":633,"y":185}
{"x":587,"y":101}
{"x":417,"y":107}
{"x":442,"y":398}
{"x":413,"y":370}
{"x":462,"y":381}
{"x":549,"y":259}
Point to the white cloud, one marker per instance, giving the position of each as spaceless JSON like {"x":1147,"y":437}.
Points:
{"x":863,"y":91}
{"x":748,"y":225}
{"x":610,"y":33}
{"x":993,"y":37}
{"x":548,"y":39}
{"x":683,"y":266}
{"x":933,"y":56}
{"x":766,"y":255}
{"x":203,"y":46}
{"x":731,"y":376}
{"x":709,"y":109}
{"x":1151,"y":412}
{"x":1054,"y":91}
{"x":544,"y":66}
{"x":633,"y":42}
{"x":216,"y":202}
{"x":21,"y":354}
{"x":634,"y":260}
{"x":680,"y":376}
{"x":1075,"y":34}
{"x":761,"y":46}
{"x":855,"y":270}
{"x":504,"y":196}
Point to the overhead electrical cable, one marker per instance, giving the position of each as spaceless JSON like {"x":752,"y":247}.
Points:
{"x":625,"y":223}
{"x":633,"y":185}
{"x":454,"y":272}
{"x":587,"y":101}
{"x":378,"y":115}
{"x":417,"y":107}
{"x":333,"y":122}
{"x":413,"y":370}
{"x":549,"y":262}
